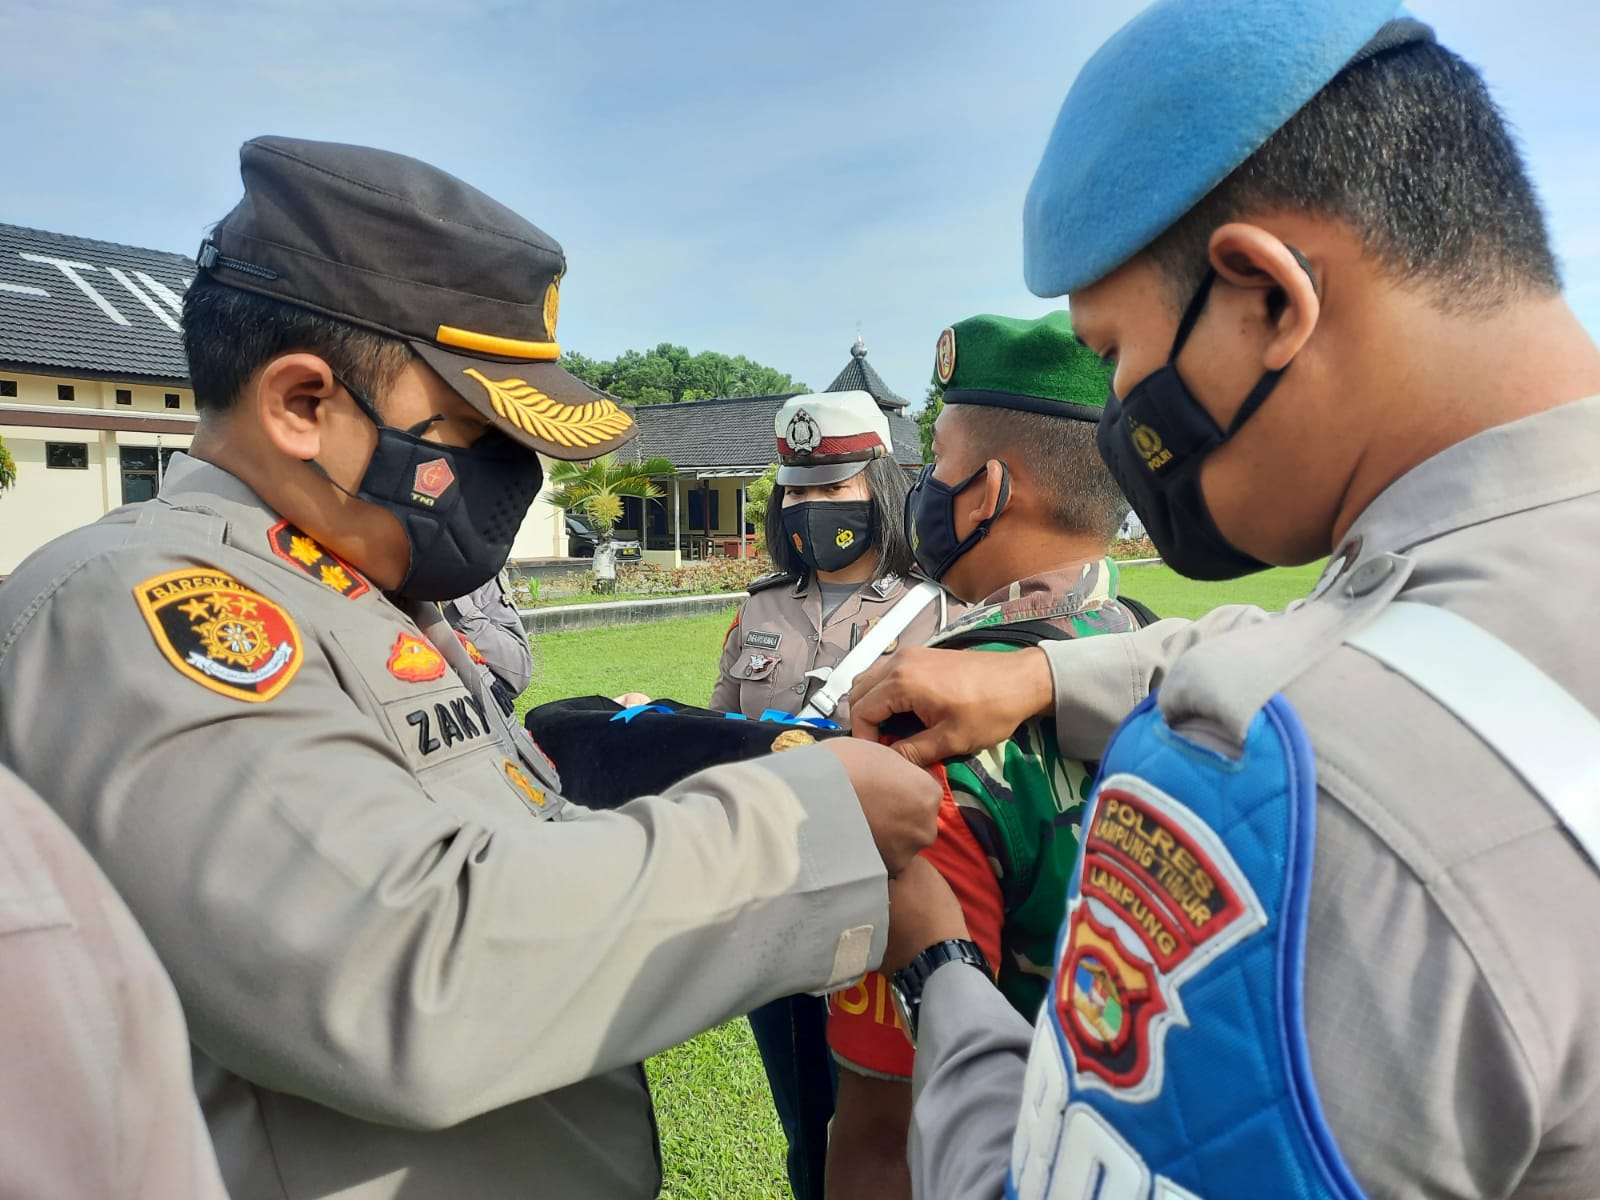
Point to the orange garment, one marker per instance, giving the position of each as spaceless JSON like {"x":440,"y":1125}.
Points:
{"x":865,"y":1031}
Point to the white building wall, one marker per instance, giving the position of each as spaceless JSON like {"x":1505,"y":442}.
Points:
{"x":46,"y":502}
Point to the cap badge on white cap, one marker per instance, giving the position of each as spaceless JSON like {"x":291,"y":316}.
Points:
{"x":803,"y":434}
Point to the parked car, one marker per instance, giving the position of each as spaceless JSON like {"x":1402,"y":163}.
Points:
{"x":582,"y":540}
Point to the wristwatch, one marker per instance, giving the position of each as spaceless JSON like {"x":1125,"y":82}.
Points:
{"x":909,"y":980}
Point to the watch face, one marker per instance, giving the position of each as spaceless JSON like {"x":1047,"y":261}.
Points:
{"x":907,"y":1011}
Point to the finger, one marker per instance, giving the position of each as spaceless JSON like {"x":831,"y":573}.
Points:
{"x":932,"y":745}
{"x":873,"y":707}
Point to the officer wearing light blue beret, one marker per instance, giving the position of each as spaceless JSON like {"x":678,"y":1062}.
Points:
{"x":1330,"y":931}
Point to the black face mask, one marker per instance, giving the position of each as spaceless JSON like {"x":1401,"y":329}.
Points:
{"x":1154,"y":442}
{"x":931,"y":519}
{"x":460,"y":507}
{"x":828,"y":535}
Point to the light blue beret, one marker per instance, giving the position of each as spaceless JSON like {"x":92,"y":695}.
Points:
{"x":1165,"y":110}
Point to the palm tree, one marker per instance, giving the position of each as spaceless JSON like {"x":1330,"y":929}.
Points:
{"x":8,"y":468}
{"x":596,"y":489}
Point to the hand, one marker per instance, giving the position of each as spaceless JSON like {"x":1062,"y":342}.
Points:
{"x":900,"y":802}
{"x":923,"y":911}
{"x":967,"y":700}
{"x":630,"y":699}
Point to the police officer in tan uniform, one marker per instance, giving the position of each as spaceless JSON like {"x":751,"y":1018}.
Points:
{"x":96,"y":1097}
{"x":835,"y":529}
{"x":410,"y":968}
{"x":1365,"y":967}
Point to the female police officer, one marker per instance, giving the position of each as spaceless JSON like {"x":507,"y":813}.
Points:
{"x":835,"y":530}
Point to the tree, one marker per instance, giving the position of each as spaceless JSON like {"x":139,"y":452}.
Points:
{"x":8,"y":468}
{"x":596,"y":489}
{"x":667,"y":374}
{"x":756,"y":498}
{"x":926,"y":416}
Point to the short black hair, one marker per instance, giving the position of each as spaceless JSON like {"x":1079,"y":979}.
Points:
{"x":1409,"y":150}
{"x":1059,"y":454}
{"x":228,"y":334}
{"x":887,"y":482}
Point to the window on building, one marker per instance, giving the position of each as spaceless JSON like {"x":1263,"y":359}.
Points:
{"x":124,"y":395}
{"x":140,"y":479}
{"x":65,"y":391}
{"x":172,"y":399}
{"x":66,"y":456}
{"x":697,"y":508}
{"x":8,"y":387}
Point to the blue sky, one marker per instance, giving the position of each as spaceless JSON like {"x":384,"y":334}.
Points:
{"x":750,"y":178}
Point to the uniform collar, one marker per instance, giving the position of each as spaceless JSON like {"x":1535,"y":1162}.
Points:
{"x":1055,"y":595}
{"x":882,"y":587}
{"x":1538,"y":460}
{"x":1543,"y":459}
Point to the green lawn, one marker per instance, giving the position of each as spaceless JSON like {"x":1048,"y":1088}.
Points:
{"x":720,"y":1138}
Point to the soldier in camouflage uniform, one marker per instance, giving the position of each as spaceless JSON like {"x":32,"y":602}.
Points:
{"x":1016,"y":484}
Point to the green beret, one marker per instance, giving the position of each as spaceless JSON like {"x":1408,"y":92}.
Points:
{"x":1033,"y":366}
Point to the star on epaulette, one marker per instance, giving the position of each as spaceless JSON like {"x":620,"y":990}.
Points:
{"x":305,"y":555}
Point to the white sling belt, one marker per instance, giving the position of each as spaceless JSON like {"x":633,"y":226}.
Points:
{"x":868,"y":650}
{"x":1518,"y":711}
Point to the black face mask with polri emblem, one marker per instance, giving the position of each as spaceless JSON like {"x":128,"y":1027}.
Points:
{"x":828,"y":535}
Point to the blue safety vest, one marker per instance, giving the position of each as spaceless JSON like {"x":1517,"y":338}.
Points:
{"x":1170,"y":1058}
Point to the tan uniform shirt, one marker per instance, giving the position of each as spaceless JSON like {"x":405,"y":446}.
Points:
{"x":1451,"y":980}
{"x":410,"y":969}
{"x":780,"y":634}
{"x":95,"y":1093}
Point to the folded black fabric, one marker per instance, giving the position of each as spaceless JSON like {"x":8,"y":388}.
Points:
{"x":608,"y":755}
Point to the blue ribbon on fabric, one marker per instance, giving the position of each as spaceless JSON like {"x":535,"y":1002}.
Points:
{"x":773,"y":715}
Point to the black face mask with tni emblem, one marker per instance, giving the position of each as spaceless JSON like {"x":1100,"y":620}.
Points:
{"x":460,"y":506}
{"x":828,"y":535}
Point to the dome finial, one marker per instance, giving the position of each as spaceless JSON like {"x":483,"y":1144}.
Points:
{"x":859,"y":349}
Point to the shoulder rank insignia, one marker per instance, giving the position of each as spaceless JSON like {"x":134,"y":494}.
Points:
{"x":767,"y":581}
{"x":533,"y":796}
{"x":221,"y":634}
{"x":412,"y":659}
{"x":304,"y":554}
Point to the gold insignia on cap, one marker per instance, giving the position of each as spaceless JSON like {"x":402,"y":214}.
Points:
{"x":500,"y":347}
{"x":552,"y":307}
{"x":944,"y":358}
{"x":530,"y":410}
{"x":792,"y":739}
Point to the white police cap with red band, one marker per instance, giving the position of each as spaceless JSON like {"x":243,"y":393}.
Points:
{"x":827,"y":437}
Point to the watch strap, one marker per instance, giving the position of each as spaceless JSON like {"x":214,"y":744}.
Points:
{"x":913,"y":977}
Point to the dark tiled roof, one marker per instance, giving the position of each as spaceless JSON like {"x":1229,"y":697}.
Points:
{"x":735,"y":431}
{"x":75,"y":304}
{"x":858,"y":376}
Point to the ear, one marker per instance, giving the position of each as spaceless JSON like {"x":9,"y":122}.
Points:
{"x":1247,"y":256}
{"x":985,"y":494}
{"x":290,"y":395}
